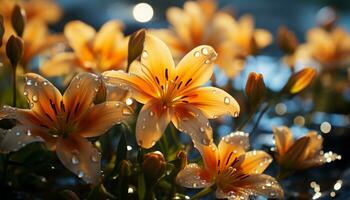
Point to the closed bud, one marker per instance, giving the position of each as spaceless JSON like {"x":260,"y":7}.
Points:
{"x":2,"y":29}
{"x":153,"y":166}
{"x":135,"y":46}
{"x":14,"y":50}
{"x":18,"y":20}
{"x":287,"y":40}
{"x":255,"y":88}
{"x":299,"y":81}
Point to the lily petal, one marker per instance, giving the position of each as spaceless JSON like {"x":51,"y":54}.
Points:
{"x":151,"y":123}
{"x":192,"y":121}
{"x":80,"y":94}
{"x":283,"y":139}
{"x":315,"y":145}
{"x":231,"y":147}
{"x":105,"y":39}
{"x":213,"y":101}
{"x":43,"y":97}
{"x":156,"y":57}
{"x":81,"y":157}
{"x":61,"y":64}
{"x":196,"y":68}
{"x":193,"y":176}
{"x":140,"y":89}
{"x":295,"y":154}
{"x":262,"y":38}
{"x":255,"y":162}
{"x":102,"y":117}
{"x":16,"y":138}
{"x":210,"y":156}
{"x":80,"y":37}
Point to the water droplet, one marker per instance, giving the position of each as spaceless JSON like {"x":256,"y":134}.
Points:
{"x":153,"y":142}
{"x":80,"y":174}
{"x":205,"y":51}
{"x":151,"y":113}
{"x":29,"y":82}
{"x":36,"y":84}
{"x":18,"y":133}
{"x":94,"y":158}
{"x":196,"y":54}
{"x":227,"y":100}
{"x":75,"y":160}
{"x":194,"y":185}
{"x":214,"y":91}
{"x":78,"y":86}
{"x":126,"y":111}
{"x":144,"y":54}
{"x":128,"y":101}
{"x":35,"y":98}
{"x":235,"y":114}
{"x":25,"y":93}
{"x":202,"y":129}
{"x":207,"y":62}
{"x":29,"y":133}
{"x":143,"y":127}
{"x":45,"y":83}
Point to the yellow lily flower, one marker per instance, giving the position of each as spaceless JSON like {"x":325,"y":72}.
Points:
{"x":199,"y":23}
{"x":64,"y":122}
{"x":303,"y":153}
{"x":237,"y":174}
{"x":92,"y":52}
{"x":331,"y":49}
{"x":173,"y":93}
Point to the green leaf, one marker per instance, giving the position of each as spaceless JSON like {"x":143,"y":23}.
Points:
{"x":18,"y":20}
{"x":135,"y":46}
{"x":141,"y":186}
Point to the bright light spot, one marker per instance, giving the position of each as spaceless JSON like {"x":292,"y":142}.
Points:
{"x":98,"y":144}
{"x":338,"y":185}
{"x":129,"y":148}
{"x":128,"y":101}
{"x":332,"y":194}
{"x":130,"y":190}
{"x":187,"y":197}
{"x":317,"y":195}
{"x":143,"y":12}
{"x":299,"y":120}
{"x":326,"y":127}
{"x":281,"y":109}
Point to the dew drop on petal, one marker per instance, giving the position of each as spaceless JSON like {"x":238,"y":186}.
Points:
{"x":94,"y":158}
{"x":25,"y":93}
{"x":75,"y":160}
{"x":80,"y":174}
{"x":45,"y":83}
{"x":128,"y":101}
{"x":126,"y":111}
{"x":29,"y":82}
{"x":151,"y":113}
{"x":35,"y":98}
{"x":227,"y":100}
{"x":205,"y":51}
{"x":29,"y":133}
{"x":117,"y":105}
{"x":207,"y":62}
{"x":18,"y":133}
{"x":202,"y":129}
{"x":144,"y":54}
{"x":196,"y":54}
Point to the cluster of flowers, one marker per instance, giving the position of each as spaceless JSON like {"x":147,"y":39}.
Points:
{"x":165,"y":70}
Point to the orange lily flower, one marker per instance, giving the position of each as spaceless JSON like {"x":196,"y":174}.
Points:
{"x":303,"y":153}
{"x":237,"y":174}
{"x":92,"y":52}
{"x":199,"y":23}
{"x":330,"y":48}
{"x":64,"y":122}
{"x":36,"y":39}
{"x":173,"y":93}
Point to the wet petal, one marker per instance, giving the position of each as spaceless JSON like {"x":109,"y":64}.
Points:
{"x":157,"y":59}
{"x":80,"y":37}
{"x":255,"y":162}
{"x":231,"y":147}
{"x":209,"y":155}
{"x":151,"y":123}
{"x":80,"y":157}
{"x":192,"y":121}
{"x":192,"y":176}
{"x":261,"y":184}
{"x":100,"y":118}
{"x":231,"y":195}
{"x":44,"y":98}
{"x":315,"y":144}
{"x":196,"y":68}
{"x":80,"y":94}
{"x":283,"y":139}
{"x":213,"y":101}
{"x":295,"y":154}
{"x":16,"y":138}
{"x":61,"y":64}
{"x":140,"y":89}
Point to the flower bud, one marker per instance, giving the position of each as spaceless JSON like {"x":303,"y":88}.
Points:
{"x":299,"y":81}
{"x":135,"y":46}
{"x":18,"y":20}
{"x":287,"y":40}
{"x":153,"y":166}
{"x":2,"y":29}
{"x":255,"y":88}
{"x":14,"y":50}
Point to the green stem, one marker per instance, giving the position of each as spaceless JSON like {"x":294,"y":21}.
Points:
{"x":14,"y":88}
{"x":202,"y":193}
{"x":245,"y":122}
{"x":263,"y":111}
